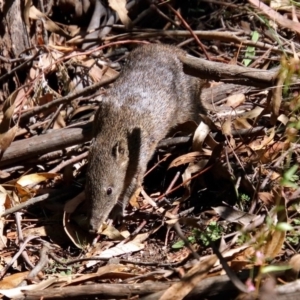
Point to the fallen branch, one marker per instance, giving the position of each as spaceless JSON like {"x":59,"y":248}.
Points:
{"x":208,"y":286}
{"x":45,"y":143}
{"x":227,"y":73}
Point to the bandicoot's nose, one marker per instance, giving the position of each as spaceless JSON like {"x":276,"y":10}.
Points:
{"x":92,"y":230}
{"x":94,"y":225}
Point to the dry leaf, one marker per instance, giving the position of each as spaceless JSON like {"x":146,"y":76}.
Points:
{"x":235,"y":100}
{"x":266,"y":198}
{"x":185,"y":159}
{"x":258,"y":145}
{"x":7,"y":134}
{"x":13,"y":280}
{"x":112,"y":233}
{"x":281,"y":5}
{"x":43,"y":100}
{"x":95,"y":72}
{"x":24,"y":193}
{"x":134,"y":198}
{"x":274,"y":238}
{"x":18,"y":292}
{"x":120,"y":7}
{"x":35,"y":178}
{"x":141,"y":237}
{"x":6,"y":139}
{"x":77,"y":235}
{"x":35,"y":14}
{"x":120,"y":249}
{"x":226,"y":127}
{"x":200,"y":135}
{"x":108,"y":269}
{"x":241,"y":123}
{"x":180,"y":289}
{"x":252,"y":114}
{"x":8,"y":110}
{"x":233,"y":215}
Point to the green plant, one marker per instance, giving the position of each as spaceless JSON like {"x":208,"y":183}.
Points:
{"x":250,"y":51}
{"x":56,"y":268}
{"x":245,"y":198}
{"x":243,"y":238}
{"x":212,"y":232}
{"x":289,"y":177}
{"x":180,"y":244}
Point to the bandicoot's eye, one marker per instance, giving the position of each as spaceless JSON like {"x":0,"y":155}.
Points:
{"x":109,"y":191}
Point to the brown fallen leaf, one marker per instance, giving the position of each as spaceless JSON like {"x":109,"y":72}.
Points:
{"x":18,"y":292}
{"x":185,"y":159}
{"x":100,"y":272}
{"x":7,"y":134}
{"x":35,"y":178}
{"x":266,"y":197}
{"x":180,"y":289}
{"x":235,"y":100}
{"x":267,"y":139}
{"x":51,"y":26}
{"x":272,"y":152}
{"x":272,"y":237}
{"x":120,"y":7}
{"x":6,"y":139}
{"x":13,"y":280}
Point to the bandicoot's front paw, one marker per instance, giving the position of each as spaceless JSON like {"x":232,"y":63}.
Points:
{"x":116,"y":214}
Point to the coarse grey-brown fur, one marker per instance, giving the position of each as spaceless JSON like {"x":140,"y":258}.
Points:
{"x":151,"y":96}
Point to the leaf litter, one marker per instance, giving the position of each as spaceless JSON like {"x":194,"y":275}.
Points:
{"x":228,"y":187}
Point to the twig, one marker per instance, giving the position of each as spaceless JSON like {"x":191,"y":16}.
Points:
{"x":27,"y":240}
{"x":190,"y":30}
{"x":62,"y":100}
{"x":42,"y":261}
{"x":69,"y":162}
{"x":31,"y":202}
{"x":21,"y":239}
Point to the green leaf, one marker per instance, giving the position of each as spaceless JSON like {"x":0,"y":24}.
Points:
{"x":288,"y":175}
{"x":255,"y":36}
{"x":178,"y":245}
{"x":283,"y":226}
{"x":250,"y":51}
{"x":269,"y":269}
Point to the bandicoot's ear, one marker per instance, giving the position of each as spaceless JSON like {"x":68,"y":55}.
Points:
{"x":120,"y":150}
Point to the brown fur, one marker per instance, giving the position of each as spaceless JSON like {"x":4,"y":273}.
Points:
{"x":151,"y":96}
